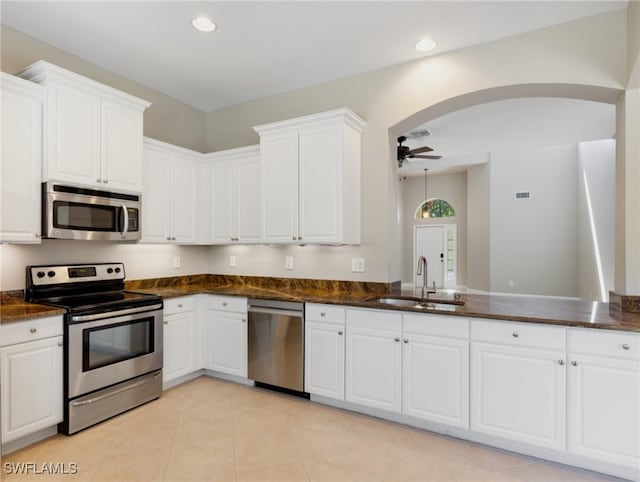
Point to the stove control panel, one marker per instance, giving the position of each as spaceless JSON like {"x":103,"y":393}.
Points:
{"x":50,"y":275}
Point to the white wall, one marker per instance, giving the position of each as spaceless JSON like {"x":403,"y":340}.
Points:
{"x":596,"y":224}
{"x":585,"y":52}
{"x":534,"y":241}
{"x":450,"y":187}
{"x":141,"y":261}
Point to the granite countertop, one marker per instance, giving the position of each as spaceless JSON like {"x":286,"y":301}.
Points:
{"x":524,"y":309}
{"x":514,"y":308}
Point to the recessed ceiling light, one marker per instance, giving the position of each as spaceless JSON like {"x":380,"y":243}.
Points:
{"x":426,"y":44}
{"x":204,"y":24}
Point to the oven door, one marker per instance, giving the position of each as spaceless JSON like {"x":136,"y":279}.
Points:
{"x":91,"y":217}
{"x":108,"y":348}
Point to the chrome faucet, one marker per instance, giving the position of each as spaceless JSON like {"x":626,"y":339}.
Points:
{"x":422,"y":268}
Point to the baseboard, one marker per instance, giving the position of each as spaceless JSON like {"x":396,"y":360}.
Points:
{"x":32,"y":438}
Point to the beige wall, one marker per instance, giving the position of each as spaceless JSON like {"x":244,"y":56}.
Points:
{"x":478,"y":228}
{"x":633,"y":44}
{"x":585,"y":52}
{"x":167,"y":119}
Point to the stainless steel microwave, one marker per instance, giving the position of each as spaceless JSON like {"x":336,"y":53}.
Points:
{"x":71,"y":212}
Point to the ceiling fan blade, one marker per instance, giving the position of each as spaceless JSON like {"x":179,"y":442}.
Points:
{"x":425,"y":157}
{"x":419,"y":150}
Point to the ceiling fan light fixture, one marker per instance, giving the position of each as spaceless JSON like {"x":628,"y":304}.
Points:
{"x":425,"y":45}
{"x":203,"y":23}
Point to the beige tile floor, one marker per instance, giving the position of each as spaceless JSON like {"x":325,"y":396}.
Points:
{"x":210,"y":429}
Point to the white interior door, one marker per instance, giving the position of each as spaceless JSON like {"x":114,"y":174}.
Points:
{"x":429,"y":242}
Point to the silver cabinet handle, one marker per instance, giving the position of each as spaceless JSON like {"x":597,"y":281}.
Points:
{"x":574,"y":363}
{"x":299,"y":238}
{"x":98,"y":180}
{"x":165,"y":322}
{"x":293,"y":237}
{"x":168,"y":238}
{"x":396,"y":339}
{"x":60,"y":343}
{"x":244,"y":320}
{"x":180,"y":305}
{"x":626,"y":346}
{"x":323,"y":314}
{"x":340,"y":332}
{"x":104,"y":181}
{"x":33,"y":330}
{"x":406,"y":340}
{"x":515,"y":334}
{"x":37,"y":235}
{"x":560,"y":362}
{"x":224,"y":303}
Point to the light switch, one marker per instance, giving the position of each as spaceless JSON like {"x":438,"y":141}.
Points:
{"x":357,"y":265}
{"x":288,"y":262}
{"x":232,"y":261}
{"x":176,"y":262}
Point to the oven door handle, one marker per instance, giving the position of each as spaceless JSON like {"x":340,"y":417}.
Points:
{"x":80,"y":403}
{"x":114,"y":314}
{"x":125,"y":213}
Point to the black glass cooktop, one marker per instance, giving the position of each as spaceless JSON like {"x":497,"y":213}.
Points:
{"x":103,"y":301}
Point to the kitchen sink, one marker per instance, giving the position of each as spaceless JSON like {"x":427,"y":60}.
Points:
{"x":413,"y":302}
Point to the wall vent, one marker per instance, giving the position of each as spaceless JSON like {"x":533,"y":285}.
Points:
{"x":523,"y":195}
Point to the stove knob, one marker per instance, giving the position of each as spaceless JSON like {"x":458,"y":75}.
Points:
{"x":118,"y":270}
{"x":40,"y":274}
{"x":109,"y":270}
{"x":51,"y":274}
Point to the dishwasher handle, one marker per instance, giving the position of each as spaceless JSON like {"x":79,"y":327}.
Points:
{"x":274,"y":311}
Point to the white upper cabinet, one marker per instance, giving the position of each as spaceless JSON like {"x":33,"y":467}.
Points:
{"x":169,"y":197}
{"x":310,"y":170}
{"x":235,"y":196}
{"x":21,"y":160}
{"x":92,"y":132}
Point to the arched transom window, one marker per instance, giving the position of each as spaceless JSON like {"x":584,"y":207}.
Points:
{"x":435,"y":208}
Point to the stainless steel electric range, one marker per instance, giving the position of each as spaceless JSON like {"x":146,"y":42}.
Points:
{"x":112,"y":340}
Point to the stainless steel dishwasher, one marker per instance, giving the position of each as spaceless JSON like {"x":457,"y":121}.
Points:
{"x":276,"y":343}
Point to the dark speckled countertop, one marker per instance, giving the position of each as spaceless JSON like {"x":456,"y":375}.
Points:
{"x":524,"y":309}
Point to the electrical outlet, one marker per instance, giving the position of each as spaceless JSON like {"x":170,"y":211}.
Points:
{"x":232,"y":261}
{"x":176,"y":262}
{"x":357,"y":265}
{"x":288,"y":262}
{"x":511,"y":283}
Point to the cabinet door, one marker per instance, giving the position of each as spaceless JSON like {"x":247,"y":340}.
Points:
{"x":31,"y":387}
{"x":222,"y":209}
{"x":324,"y":359}
{"x":226,"y":342}
{"x":184,"y":178}
{"x":518,"y":394}
{"x":320,"y":177}
{"x":604,"y":409}
{"x":248,"y":208}
{"x":179,"y":345}
{"x":279,"y":171}
{"x":121,"y":143}
{"x":156,"y":198}
{"x":20,"y":197}
{"x":373,"y":360}
{"x":436,"y":379}
{"x":72,"y":150}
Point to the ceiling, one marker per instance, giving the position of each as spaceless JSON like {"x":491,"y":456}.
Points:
{"x":267,"y":47}
{"x":466,"y":137}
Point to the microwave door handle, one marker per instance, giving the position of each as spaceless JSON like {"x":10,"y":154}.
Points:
{"x":125,"y":228}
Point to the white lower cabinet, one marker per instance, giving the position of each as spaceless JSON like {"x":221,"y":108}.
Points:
{"x":31,"y":376}
{"x":435,"y":369}
{"x":226,"y":336}
{"x":604,"y":396}
{"x":517,"y":385}
{"x":324,"y":350}
{"x":374,"y":359}
{"x":179,"y":338}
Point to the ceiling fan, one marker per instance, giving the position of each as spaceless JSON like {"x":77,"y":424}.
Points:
{"x":405,"y":152}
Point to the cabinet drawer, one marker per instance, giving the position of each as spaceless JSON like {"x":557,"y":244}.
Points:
{"x":324,"y":313}
{"x":36,"y":329}
{"x":519,"y":334}
{"x":179,"y":305}
{"x":617,"y":344}
{"x":227,"y":303}
{"x":375,"y":319}
{"x":437,"y":325}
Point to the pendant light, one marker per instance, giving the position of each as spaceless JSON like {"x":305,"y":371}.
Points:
{"x":425,"y":212}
